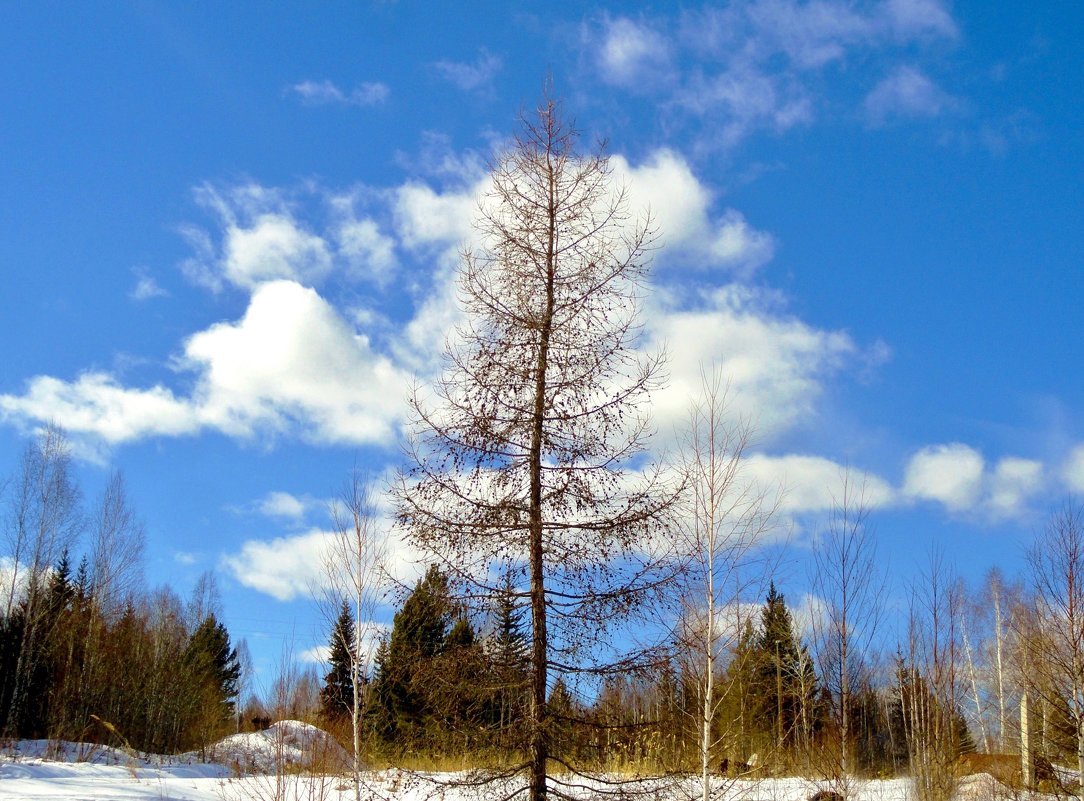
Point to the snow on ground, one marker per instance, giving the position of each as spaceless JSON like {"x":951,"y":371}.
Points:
{"x":244,"y":769}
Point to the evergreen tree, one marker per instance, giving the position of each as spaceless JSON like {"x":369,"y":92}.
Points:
{"x":507,"y":652}
{"x":337,"y":695}
{"x":786,"y":680}
{"x":402,"y":703}
{"x":213,"y":671}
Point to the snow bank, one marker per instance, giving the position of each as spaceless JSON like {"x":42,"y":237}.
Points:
{"x":286,"y":744}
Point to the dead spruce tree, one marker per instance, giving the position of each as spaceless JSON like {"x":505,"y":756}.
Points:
{"x":528,"y":457}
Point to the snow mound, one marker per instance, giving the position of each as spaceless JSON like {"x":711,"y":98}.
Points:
{"x":285,"y":744}
{"x":981,"y":787}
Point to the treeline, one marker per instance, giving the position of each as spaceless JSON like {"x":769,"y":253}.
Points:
{"x":89,"y":655}
{"x":444,"y":686}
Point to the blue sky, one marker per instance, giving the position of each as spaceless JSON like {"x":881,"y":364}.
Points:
{"x":229,"y":235}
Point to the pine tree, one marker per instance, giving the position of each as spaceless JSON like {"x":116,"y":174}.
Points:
{"x":337,"y":695}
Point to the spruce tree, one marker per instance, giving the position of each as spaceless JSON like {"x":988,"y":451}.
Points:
{"x":337,"y":695}
{"x":213,"y":671}
{"x":403,"y":705}
{"x":786,"y":684}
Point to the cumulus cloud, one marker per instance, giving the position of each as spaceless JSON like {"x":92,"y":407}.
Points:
{"x":369,"y":251}
{"x":317,"y":655}
{"x":292,"y":567}
{"x":680,"y":206}
{"x":322,"y":93}
{"x":1013,"y":483}
{"x":284,"y":568}
{"x":291,"y":364}
{"x":951,"y":474}
{"x":776,"y":364}
{"x":816,"y":484}
{"x":261,"y":240}
{"x":957,"y":476}
{"x":292,"y":361}
{"x":905,"y":92}
{"x":283,"y":505}
{"x":95,"y":403}
{"x":477,"y":76}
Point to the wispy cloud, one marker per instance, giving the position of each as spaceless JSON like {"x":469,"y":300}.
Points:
{"x":743,"y":67}
{"x":323,"y":93}
{"x":905,"y":92}
{"x":476,"y":76}
{"x":146,"y":287}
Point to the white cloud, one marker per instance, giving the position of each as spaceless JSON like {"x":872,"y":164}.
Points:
{"x":1072,"y":471}
{"x":815,"y":484}
{"x":957,"y":476}
{"x":12,"y":582}
{"x":318,"y":655}
{"x":146,"y":287}
{"x":631,"y":54}
{"x":951,"y":474}
{"x":292,"y":362}
{"x":291,"y":365}
{"x":320,"y":93}
{"x":261,"y":240}
{"x":283,"y":504}
{"x":1013,"y":483}
{"x":185,"y":558}
{"x":96,"y":404}
{"x":475,"y":77}
{"x":747,"y":99}
{"x":680,"y":205}
{"x":274,"y":247}
{"x":369,"y":251}
{"x":776,"y":364}
{"x":427,"y":218}
{"x":757,"y":65}
{"x":284,"y":568}
{"x":292,"y":567}
{"x":905,"y":92}
{"x":908,"y":19}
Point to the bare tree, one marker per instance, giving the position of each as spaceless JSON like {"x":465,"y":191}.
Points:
{"x":848,"y":582}
{"x":1056,"y":644}
{"x":355,"y":572}
{"x":929,"y":682}
{"x":529,"y":457}
{"x":723,"y":519}
{"x":119,"y":541}
{"x":44,"y":520}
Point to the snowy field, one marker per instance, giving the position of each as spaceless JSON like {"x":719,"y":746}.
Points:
{"x":242,"y":768}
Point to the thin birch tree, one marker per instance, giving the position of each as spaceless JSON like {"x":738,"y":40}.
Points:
{"x":848,"y":582}
{"x":355,"y":563}
{"x":724,"y":517}
{"x":1056,"y":654}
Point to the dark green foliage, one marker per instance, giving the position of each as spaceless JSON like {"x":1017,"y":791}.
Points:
{"x":785,"y":683}
{"x":507,"y":651}
{"x":212,"y":672}
{"x":402,"y":707}
{"x":337,"y":695}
